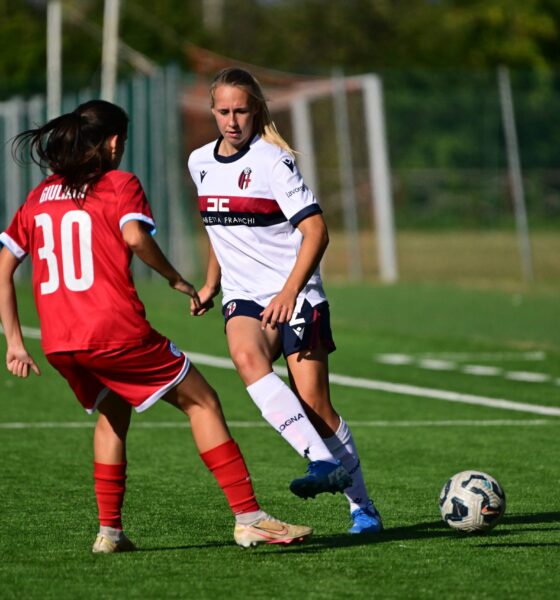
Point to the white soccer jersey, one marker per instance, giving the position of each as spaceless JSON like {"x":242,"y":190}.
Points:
{"x":251,"y":203}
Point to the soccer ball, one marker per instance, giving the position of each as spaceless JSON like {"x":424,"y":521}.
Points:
{"x":472,"y":501}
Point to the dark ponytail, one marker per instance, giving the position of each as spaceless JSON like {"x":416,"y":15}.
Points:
{"x":75,"y":145}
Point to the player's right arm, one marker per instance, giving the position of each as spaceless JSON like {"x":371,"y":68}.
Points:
{"x":146,"y":249}
{"x":211,"y":287}
{"x":18,"y":360}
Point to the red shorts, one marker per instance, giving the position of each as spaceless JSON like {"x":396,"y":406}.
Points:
{"x":140,"y":375}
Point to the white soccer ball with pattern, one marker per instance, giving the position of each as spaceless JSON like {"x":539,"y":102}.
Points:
{"x":472,"y":501}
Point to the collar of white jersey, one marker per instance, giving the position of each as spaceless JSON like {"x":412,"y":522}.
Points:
{"x":239,"y":154}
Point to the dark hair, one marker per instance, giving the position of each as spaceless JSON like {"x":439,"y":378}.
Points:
{"x":263,"y":124}
{"x":74,"y":145}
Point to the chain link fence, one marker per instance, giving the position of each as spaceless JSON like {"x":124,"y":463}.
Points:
{"x":154,"y":153}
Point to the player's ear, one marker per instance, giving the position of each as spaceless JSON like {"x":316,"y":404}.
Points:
{"x":113,"y":142}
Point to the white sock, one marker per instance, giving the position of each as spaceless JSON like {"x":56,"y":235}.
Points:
{"x":110,"y":532}
{"x":283,"y":410}
{"x":250,"y":518}
{"x":343,"y":448}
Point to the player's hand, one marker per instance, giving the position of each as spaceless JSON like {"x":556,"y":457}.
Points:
{"x":183,"y":286}
{"x":206,"y":295}
{"x":279,"y":310}
{"x":19,"y":362}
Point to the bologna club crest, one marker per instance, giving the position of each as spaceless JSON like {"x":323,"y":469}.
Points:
{"x":230,"y":309}
{"x":244,"y":179}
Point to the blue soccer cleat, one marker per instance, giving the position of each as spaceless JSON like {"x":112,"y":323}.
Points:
{"x":366,"y":520}
{"x":321,"y":477}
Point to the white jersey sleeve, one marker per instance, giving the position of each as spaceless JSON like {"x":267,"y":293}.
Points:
{"x":295,"y":199}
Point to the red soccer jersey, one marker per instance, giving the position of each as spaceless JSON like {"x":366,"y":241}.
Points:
{"x":82,"y":282}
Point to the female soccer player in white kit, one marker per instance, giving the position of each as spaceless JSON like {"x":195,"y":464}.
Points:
{"x":80,"y":227}
{"x":267,"y":238}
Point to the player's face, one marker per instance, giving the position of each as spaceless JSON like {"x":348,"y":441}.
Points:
{"x":234,"y":116}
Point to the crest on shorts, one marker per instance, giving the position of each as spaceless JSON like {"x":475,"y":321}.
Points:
{"x":245,"y":178}
{"x":230,"y":309}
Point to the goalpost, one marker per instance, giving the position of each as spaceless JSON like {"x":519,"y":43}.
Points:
{"x":301,"y":108}
{"x":334,"y":125}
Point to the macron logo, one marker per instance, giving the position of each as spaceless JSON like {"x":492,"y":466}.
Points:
{"x":289,"y":163}
{"x":202,"y":175}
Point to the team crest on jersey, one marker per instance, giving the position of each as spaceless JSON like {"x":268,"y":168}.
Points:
{"x":289,"y":163}
{"x":244,"y":179}
{"x":202,"y":175}
{"x":230,"y":309}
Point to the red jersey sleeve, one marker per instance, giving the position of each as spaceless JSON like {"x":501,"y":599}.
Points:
{"x":16,"y":236}
{"x":133,"y":204}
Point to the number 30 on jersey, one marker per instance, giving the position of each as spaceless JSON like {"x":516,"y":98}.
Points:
{"x":72,"y":281}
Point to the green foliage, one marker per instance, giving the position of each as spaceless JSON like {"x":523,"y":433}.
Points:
{"x":306,"y":36}
{"x":22,"y":49}
{"x":448,"y":152}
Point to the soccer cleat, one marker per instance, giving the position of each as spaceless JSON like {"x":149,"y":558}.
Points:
{"x":270,"y":531}
{"x":321,"y":477}
{"x":105,"y":545}
{"x":366,"y":520}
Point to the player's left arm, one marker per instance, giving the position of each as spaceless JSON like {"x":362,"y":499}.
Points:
{"x":18,"y":360}
{"x":313,"y":246}
{"x":140,"y":241}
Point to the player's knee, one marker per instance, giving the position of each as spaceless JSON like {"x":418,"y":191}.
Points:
{"x":206,"y":399}
{"x":248,"y":363}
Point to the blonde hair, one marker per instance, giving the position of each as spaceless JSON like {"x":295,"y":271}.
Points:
{"x":263,"y":123}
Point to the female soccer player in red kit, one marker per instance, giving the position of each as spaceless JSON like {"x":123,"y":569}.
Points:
{"x":80,"y":227}
{"x":267,"y":238}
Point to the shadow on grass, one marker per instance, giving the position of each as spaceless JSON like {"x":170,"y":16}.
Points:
{"x":419,"y":531}
{"x":523,"y":519}
{"x":433,"y":530}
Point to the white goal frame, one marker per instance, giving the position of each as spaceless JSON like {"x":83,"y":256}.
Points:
{"x":379,"y":168}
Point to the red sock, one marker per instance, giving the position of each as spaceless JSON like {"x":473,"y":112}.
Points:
{"x":109,"y":491}
{"x":228,"y":467}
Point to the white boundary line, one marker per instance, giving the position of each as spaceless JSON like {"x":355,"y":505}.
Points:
{"x":413,"y":390}
{"x":433,"y":363}
{"x":258,"y":424}
{"x":401,"y":388}
{"x":383,"y":386}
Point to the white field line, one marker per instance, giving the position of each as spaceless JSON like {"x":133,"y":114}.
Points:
{"x":535,"y":355}
{"x":384,"y":386}
{"x":444,"y":364}
{"x":140,"y":424}
{"x":413,"y":390}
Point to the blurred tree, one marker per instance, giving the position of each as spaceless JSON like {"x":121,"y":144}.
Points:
{"x":22,"y":48}
{"x":305,"y":36}
{"x":482,"y":33}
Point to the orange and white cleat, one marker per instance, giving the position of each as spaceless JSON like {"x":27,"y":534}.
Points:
{"x":270,"y":531}
{"x":105,"y":545}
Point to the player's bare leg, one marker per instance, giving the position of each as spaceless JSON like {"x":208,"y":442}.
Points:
{"x":109,"y":439}
{"x":219,"y":452}
{"x":109,"y":450}
{"x":309,"y":379}
{"x":198,"y":400}
{"x":252,"y":350}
